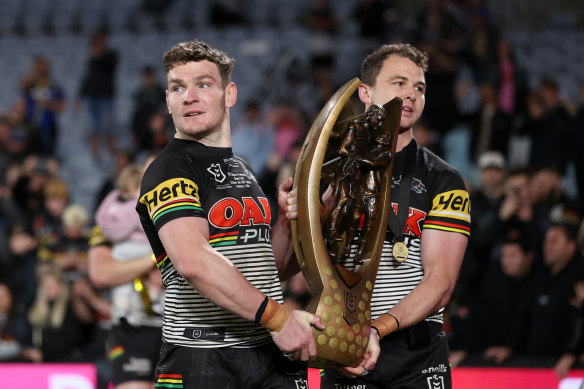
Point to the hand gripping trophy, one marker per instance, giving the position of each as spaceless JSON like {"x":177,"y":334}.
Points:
{"x":353,"y":154}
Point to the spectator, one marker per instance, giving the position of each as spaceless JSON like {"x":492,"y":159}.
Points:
{"x":20,"y":135}
{"x":552,"y":142}
{"x":69,"y":251}
{"x":480,"y":251}
{"x":11,"y":328}
{"x":546,"y":190}
{"x":44,"y":100}
{"x":511,"y":80}
{"x":490,"y":125}
{"x":148,"y":99}
{"x":253,"y":138}
{"x":505,"y":292}
{"x":548,"y":325}
{"x":57,"y":327}
{"x":518,"y":212}
{"x":579,"y":142}
{"x":121,"y":258}
{"x":98,"y":89}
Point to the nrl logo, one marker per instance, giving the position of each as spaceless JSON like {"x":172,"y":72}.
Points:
{"x":301,"y":383}
{"x":215,"y":170}
{"x":417,"y":186}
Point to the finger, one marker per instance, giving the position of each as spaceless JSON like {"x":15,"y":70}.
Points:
{"x":312,"y":349}
{"x":317,"y":322}
{"x":304,"y":354}
{"x":370,"y":363}
{"x":286,"y":185}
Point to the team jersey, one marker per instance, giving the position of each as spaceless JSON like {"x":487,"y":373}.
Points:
{"x":438,"y":200}
{"x":189,"y":179}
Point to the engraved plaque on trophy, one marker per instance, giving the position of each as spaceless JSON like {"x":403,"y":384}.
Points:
{"x":355,"y":155}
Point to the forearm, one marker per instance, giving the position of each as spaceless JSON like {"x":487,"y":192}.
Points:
{"x":104,"y":271}
{"x":100,"y":305}
{"x":427,"y":297}
{"x":282,"y":244}
{"x":221,"y":283}
{"x":82,"y":310}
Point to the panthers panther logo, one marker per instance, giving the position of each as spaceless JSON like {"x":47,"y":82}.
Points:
{"x":215,"y":170}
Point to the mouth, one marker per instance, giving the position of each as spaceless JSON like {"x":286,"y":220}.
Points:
{"x":192,"y":114}
{"x":408,"y":109}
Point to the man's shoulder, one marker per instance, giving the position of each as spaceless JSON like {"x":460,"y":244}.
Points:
{"x":434,"y":163}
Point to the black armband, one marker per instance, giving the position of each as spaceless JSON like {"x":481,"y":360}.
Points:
{"x":261,"y":310}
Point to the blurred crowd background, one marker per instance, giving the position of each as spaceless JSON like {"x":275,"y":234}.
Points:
{"x":82,"y":97}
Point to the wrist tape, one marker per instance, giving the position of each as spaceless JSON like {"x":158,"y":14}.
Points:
{"x":274,"y":316}
{"x":385,"y":324}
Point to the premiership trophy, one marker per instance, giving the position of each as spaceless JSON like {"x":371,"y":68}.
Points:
{"x":355,"y":155}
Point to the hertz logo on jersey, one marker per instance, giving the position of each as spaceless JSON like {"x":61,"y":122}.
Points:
{"x":450,"y":212}
{"x":171,"y":195}
{"x":229,"y":212}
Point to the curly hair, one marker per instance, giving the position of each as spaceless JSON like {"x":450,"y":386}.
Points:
{"x":372,"y":64}
{"x":196,"y":51}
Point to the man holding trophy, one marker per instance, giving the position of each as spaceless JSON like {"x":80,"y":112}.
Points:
{"x":427,"y":234}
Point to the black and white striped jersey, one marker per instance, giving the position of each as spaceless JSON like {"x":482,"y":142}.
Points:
{"x":190,"y":179}
{"x":438,"y":200}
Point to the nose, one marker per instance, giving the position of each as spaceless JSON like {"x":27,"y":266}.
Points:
{"x":191,"y":96}
{"x":410,"y":93}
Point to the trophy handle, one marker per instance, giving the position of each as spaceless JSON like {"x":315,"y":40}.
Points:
{"x":340,"y":296}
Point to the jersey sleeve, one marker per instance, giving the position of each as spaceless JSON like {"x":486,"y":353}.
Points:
{"x":450,"y":209}
{"x":97,"y":238}
{"x":170,"y":191}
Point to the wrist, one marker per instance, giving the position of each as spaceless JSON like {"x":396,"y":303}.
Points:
{"x":385,"y":325}
{"x":273,"y":317}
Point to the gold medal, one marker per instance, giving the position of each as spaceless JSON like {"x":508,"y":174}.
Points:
{"x":400,"y":251}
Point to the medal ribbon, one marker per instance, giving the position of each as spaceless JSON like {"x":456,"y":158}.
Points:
{"x":397,"y":224}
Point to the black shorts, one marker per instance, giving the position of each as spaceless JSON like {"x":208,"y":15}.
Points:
{"x":414,"y":360}
{"x":261,"y":367}
{"x":133,"y":352}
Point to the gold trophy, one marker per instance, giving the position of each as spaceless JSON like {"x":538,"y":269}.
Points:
{"x":355,"y":155}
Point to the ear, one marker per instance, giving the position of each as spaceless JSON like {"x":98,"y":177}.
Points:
{"x":365,"y":94}
{"x":230,"y":95}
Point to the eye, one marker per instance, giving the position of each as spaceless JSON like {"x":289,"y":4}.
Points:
{"x":176,"y":88}
{"x":204,"y":86}
{"x":420,"y":89}
{"x":398,"y":83}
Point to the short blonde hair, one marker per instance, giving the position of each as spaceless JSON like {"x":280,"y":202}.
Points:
{"x":129,"y":180}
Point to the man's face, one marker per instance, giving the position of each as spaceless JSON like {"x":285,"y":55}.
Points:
{"x":492,"y":177}
{"x":197,"y":100}
{"x":399,"y":77}
{"x":514,"y":261}
{"x":556,"y":247}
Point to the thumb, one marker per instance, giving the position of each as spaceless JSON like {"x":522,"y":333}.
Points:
{"x":308,"y":318}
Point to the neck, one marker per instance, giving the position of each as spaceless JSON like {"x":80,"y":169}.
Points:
{"x":403,"y":140}
{"x":558,"y":267}
{"x":216,"y":137}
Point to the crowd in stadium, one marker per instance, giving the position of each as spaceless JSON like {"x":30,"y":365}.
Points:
{"x":518,"y":143}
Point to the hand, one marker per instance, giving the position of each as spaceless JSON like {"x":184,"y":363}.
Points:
{"x":578,"y":294}
{"x":563,"y":366}
{"x":288,"y":199}
{"x":509,"y":207}
{"x":369,"y":358}
{"x":328,"y":200}
{"x":498,"y":354}
{"x":32,"y":354}
{"x":295,"y":339}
